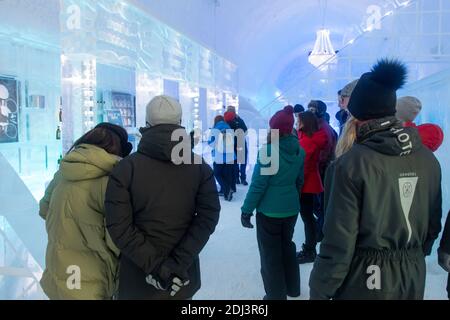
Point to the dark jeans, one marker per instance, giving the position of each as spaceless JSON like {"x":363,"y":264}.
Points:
{"x":224,"y":176}
{"x":240,"y":168}
{"x":307,"y":213}
{"x":319,"y":206}
{"x":279,"y":268}
{"x":240,"y":172}
{"x":319,"y":212}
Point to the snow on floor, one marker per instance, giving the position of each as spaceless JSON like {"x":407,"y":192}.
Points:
{"x":230,"y":261}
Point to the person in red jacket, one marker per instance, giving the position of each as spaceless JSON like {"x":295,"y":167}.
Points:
{"x":408,"y":108}
{"x":313,"y":141}
{"x":319,"y":108}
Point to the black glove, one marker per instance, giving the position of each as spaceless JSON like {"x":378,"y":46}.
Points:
{"x":427,"y":247}
{"x":444,"y":260}
{"x":169,"y":277}
{"x":245,"y":220}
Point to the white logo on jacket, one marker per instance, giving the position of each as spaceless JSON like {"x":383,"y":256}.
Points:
{"x":74,"y":280}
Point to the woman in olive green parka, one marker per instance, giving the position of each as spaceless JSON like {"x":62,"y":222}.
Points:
{"x":81,"y":260}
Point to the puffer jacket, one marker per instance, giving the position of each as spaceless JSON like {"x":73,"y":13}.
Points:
{"x":383,"y":214}
{"x":73,"y":209}
{"x":222,"y":144}
{"x":327,"y":154}
{"x":313,"y":146}
{"x":160,"y":214}
{"x":275,"y":193}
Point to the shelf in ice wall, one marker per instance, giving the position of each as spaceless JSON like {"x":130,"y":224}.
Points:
{"x":120,"y":34}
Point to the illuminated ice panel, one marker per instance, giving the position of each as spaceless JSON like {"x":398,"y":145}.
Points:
{"x":19,"y":271}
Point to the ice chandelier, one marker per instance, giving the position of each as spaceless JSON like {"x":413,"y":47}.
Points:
{"x":323,"y":49}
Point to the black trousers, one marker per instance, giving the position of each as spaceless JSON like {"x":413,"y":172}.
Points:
{"x":240,"y":172}
{"x":307,"y":201}
{"x":448,"y":286}
{"x":319,"y":205}
{"x":279,"y":268}
{"x":241,"y":168}
{"x":224,"y":176}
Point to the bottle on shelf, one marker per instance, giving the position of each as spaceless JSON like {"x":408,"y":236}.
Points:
{"x":60,"y":159}
{"x":58,"y":133}
{"x":60,"y":109}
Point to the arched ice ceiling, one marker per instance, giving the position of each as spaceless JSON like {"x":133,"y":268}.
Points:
{"x":261,"y":36}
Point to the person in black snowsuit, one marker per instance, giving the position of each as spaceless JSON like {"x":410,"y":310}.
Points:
{"x":161,"y":213}
{"x":444,"y":251}
{"x":383,"y":202}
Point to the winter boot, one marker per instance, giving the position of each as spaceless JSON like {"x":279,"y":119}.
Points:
{"x":244,"y":182}
{"x":306,"y":255}
{"x":229,"y":196}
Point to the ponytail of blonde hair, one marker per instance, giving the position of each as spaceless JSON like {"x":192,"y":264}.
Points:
{"x":348,"y":137}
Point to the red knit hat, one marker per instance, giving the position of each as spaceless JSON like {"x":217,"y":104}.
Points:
{"x":229,"y":116}
{"x":432,"y":136}
{"x":283,"y":120}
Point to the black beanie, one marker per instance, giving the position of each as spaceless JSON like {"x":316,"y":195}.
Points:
{"x":375,"y":95}
{"x":298,"y":108}
{"x":320,"y":106}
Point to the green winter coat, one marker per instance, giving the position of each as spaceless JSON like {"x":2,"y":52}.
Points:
{"x":73,"y":209}
{"x":276,"y":194}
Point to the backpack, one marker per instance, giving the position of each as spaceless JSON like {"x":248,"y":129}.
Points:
{"x":225,"y":142}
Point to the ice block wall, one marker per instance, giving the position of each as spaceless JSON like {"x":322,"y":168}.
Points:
{"x":415,"y":31}
{"x":434,"y":92}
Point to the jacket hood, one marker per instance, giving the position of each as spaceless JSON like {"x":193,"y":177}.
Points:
{"x":222,"y":125}
{"x":157,"y":141}
{"x":87,"y":162}
{"x":388,"y":136}
{"x":289,"y":148}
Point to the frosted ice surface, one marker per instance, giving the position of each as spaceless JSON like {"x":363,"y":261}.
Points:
{"x":19,"y":271}
{"x":21,"y":210}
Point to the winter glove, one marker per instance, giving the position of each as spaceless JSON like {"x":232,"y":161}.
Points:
{"x":245,"y":220}
{"x":428,"y":247}
{"x":168,"y":277}
{"x":444,"y":260}
{"x":156,"y":282}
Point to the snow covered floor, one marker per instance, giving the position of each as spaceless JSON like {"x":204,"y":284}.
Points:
{"x":230,"y":261}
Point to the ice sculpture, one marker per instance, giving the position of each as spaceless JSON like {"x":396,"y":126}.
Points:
{"x":19,"y":271}
{"x":22,"y":238}
{"x":434,"y":92}
{"x":21,"y":211}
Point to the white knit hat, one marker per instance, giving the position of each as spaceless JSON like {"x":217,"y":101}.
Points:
{"x":408,"y":108}
{"x":348,"y":89}
{"x":163,"y":110}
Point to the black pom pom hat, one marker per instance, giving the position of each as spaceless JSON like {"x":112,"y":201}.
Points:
{"x":375,"y":95}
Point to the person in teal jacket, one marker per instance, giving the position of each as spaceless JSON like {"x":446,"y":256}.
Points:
{"x":274,"y":194}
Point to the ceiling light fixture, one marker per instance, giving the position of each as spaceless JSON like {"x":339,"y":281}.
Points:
{"x":323,"y":52}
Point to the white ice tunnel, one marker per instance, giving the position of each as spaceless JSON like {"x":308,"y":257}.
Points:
{"x":268,"y":40}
